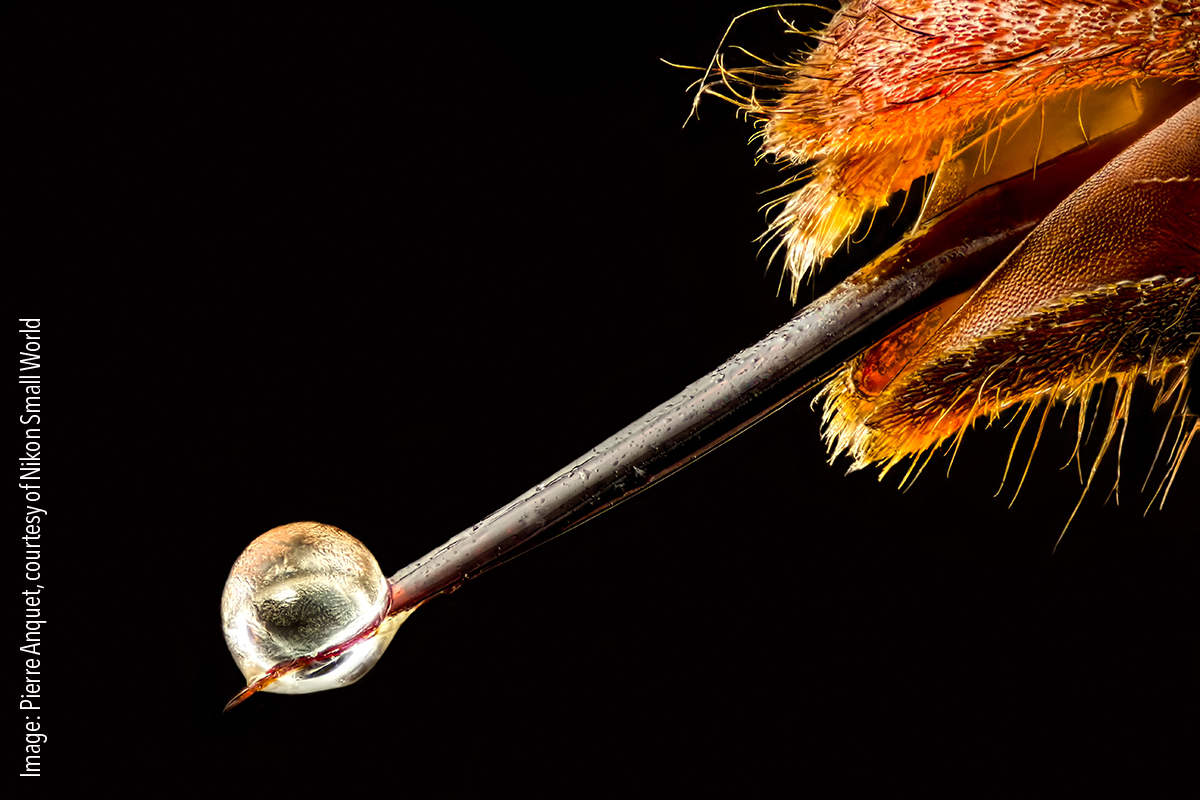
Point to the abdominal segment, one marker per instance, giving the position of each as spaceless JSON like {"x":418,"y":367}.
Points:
{"x":1107,"y":287}
{"x":892,"y":90}
{"x":979,"y":97}
{"x":1064,"y":352}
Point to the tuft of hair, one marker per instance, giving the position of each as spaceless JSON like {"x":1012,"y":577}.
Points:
{"x":886,"y":91}
{"x":1065,"y":353}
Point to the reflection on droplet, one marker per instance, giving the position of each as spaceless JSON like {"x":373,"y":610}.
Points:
{"x":297,"y":591}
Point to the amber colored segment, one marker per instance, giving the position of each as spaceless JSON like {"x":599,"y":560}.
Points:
{"x":1028,"y":137}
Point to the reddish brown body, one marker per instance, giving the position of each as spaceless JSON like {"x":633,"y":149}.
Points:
{"x":1106,"y":287}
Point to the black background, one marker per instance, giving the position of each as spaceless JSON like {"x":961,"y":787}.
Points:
{"x":387,"y":270}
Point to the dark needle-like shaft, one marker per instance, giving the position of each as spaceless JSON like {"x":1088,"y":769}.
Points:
{"x":707,"y":413}
{"x":920,"y":271}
